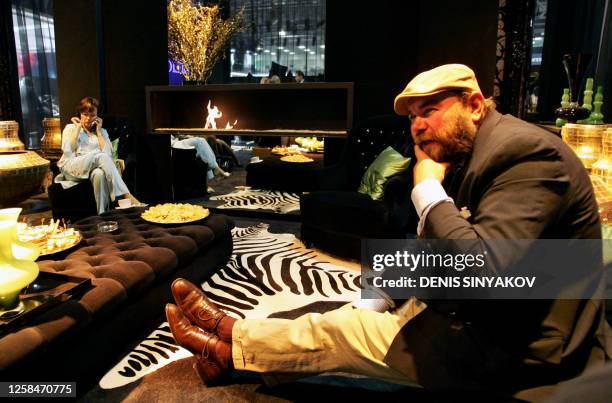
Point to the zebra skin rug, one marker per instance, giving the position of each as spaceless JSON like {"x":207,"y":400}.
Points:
{"x":268,"y":275}
{"x":255,"y":199}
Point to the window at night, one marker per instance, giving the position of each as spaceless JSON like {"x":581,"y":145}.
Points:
{"x":281,"y":36}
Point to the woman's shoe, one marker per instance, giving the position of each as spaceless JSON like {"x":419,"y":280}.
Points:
{"x":135,"y":201}
{"x":221,"y":172}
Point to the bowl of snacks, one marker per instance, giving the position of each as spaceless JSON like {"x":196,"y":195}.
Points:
{"x":50,"y":238}
{"x":175,"y":214}
{"x":296,"y":159}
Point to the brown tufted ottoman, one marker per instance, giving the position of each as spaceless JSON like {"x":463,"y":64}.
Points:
{"x":131,"y":271}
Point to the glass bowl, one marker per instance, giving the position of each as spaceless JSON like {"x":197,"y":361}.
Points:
{"x":108,"y":226}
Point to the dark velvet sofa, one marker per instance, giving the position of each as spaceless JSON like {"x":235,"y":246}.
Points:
{"x":131,"y":271}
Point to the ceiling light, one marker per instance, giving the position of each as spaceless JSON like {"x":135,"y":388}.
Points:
{"x":273,"y":54}
{"x":302,"y":47}
{"x":266,"y":51}
{"x":282,"y":33}
{"x":322,"y":46}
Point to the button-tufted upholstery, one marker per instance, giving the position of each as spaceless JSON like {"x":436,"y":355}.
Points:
{"x":131,"y":270}
{"x":366,"y":140}
{"x":337,"y":217}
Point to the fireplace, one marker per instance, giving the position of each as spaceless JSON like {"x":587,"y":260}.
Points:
{"x":308,"y":109}
{"x":323,"y":110}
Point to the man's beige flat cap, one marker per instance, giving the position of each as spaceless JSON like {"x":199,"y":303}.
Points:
{"x":442,"y":78}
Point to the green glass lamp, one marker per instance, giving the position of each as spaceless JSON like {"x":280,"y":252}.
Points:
{"x":17,"y":266}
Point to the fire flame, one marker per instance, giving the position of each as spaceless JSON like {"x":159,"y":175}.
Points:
{"x":215,"y":113}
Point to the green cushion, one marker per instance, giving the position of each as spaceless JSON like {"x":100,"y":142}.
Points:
{"x":388,"y":163}
{"x":606,"y":233}
{"x":115,"y":147}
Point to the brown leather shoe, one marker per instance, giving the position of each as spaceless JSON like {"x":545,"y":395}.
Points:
{"x":213,"y":356}
{"x":201,"y":311}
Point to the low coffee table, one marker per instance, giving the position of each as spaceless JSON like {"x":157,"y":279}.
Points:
{"x":273,"y":173}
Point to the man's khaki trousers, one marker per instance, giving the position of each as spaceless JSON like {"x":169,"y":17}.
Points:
{"x":344,"y":340}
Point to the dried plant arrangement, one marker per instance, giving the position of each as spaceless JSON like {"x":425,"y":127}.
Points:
{"x":197,"y":36}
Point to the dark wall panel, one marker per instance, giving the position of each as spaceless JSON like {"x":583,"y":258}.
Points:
{"x":10,"y":108}
{"x":459,"y":32}
{"x":76,"y":53}
{"x":135,"y":51}
{"x":374,"y":46}
{"x":382,"y":45}
{"x":114,"y":60}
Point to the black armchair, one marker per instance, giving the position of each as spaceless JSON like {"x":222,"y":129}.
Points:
{"x":188,"y":174}
{"x":336,"y":217}
{"x":226,"y":158}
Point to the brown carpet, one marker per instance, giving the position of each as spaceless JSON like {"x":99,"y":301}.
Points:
{"x":178,"y":382}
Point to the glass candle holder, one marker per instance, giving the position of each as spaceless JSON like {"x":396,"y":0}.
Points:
{"x":585,"y":140}
{"x":603,"y":167}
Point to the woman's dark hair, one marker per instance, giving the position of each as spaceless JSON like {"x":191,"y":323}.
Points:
{"x":88,"y":104}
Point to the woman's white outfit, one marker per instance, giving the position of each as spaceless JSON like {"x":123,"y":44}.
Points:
{"x":88,"y":161}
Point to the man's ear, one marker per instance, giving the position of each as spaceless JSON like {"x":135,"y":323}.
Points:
{"x":476,"y":103}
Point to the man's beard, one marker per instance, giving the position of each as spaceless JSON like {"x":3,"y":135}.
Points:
{"x":456,"y":140}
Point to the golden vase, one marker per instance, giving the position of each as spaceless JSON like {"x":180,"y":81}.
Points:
{"x":21,"y":171}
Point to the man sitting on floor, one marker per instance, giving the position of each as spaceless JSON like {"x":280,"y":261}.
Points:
{"x":518,"y":182}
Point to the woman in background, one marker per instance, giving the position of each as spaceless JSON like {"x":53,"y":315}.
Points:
{"x":87,"y":154}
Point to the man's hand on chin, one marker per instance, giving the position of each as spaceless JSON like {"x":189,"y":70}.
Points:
{"x":426,"y":168}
